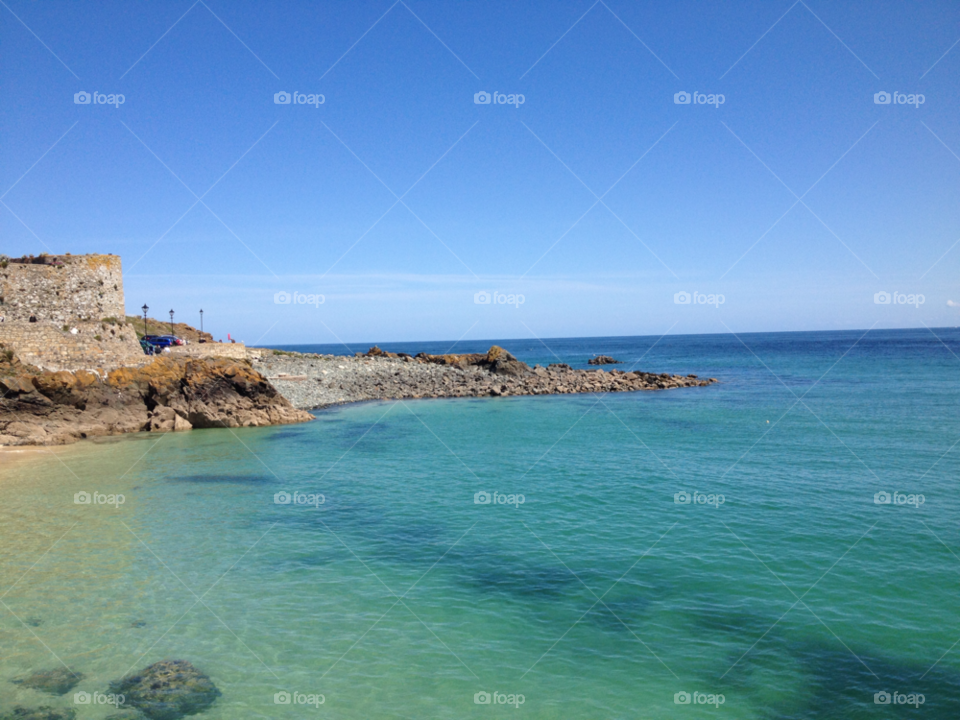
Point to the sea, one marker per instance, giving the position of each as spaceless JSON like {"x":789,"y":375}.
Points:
{"x":782,"y":544}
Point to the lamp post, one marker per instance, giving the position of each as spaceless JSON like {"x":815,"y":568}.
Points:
{"x":201,"y":324}
{"x":171,"y":322}
{"x":144,"y":308}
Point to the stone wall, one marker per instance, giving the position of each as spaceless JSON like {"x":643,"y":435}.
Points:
{"x":79,"y":288}
{"x":237,"y":351}
{"x":95,"y":346}
{"x":66,"y":313}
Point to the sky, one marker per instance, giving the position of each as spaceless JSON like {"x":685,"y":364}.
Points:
{"x":389,"y":203}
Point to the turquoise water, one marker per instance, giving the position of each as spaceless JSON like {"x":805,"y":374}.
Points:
{"x":597,"y":597}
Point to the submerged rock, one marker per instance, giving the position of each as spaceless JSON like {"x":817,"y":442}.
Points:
{"x":58,"y":681}
{"x":40,"y":713}
{"x":168,"y":690}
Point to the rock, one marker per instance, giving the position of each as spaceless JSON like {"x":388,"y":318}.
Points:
{"x":127,"y":714}
{"x":166,"y":419}
{"x":58,"y":681}
{"x":603,"y":360}
{"x":168,"y":394}
{"x":558,"y":366}
{"x":168,"y":690}
{"x":40,"y":713}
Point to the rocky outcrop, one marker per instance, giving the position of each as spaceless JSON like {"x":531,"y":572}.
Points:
{"x":168,"y":690}
{"x":603,"y":360}
{"x":314,"y":381}
{"x":168,"y":394}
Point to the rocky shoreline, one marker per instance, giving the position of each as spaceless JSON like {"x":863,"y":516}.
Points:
{"x":311,"y":381}
{"x":273,"y":388}
{"x":56,"y":408}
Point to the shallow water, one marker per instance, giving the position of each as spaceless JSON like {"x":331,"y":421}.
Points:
{"x":599,"y":596}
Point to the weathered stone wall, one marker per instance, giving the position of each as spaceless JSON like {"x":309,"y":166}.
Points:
{"x":237,"y":351}
{"x":95,"y":346}
{"x":82,"y":289}
{"x":52,"y":315}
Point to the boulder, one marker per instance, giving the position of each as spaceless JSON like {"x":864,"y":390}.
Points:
{"x":168,"y":690}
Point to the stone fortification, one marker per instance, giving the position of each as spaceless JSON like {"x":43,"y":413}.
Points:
{"x":61,"y":289}
{"x":65,"y":312}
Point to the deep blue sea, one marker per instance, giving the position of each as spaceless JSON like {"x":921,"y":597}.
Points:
{"x":783,"y":544}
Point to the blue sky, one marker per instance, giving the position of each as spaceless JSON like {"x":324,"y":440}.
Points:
{"x":398,"y":199}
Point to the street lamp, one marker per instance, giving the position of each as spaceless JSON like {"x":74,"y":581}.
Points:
{"x":201,"y":324}
{"x":144,"y":308}
{"x":171,"y":322}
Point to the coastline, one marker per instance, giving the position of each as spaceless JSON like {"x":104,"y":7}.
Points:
{"x":312,"y":381}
